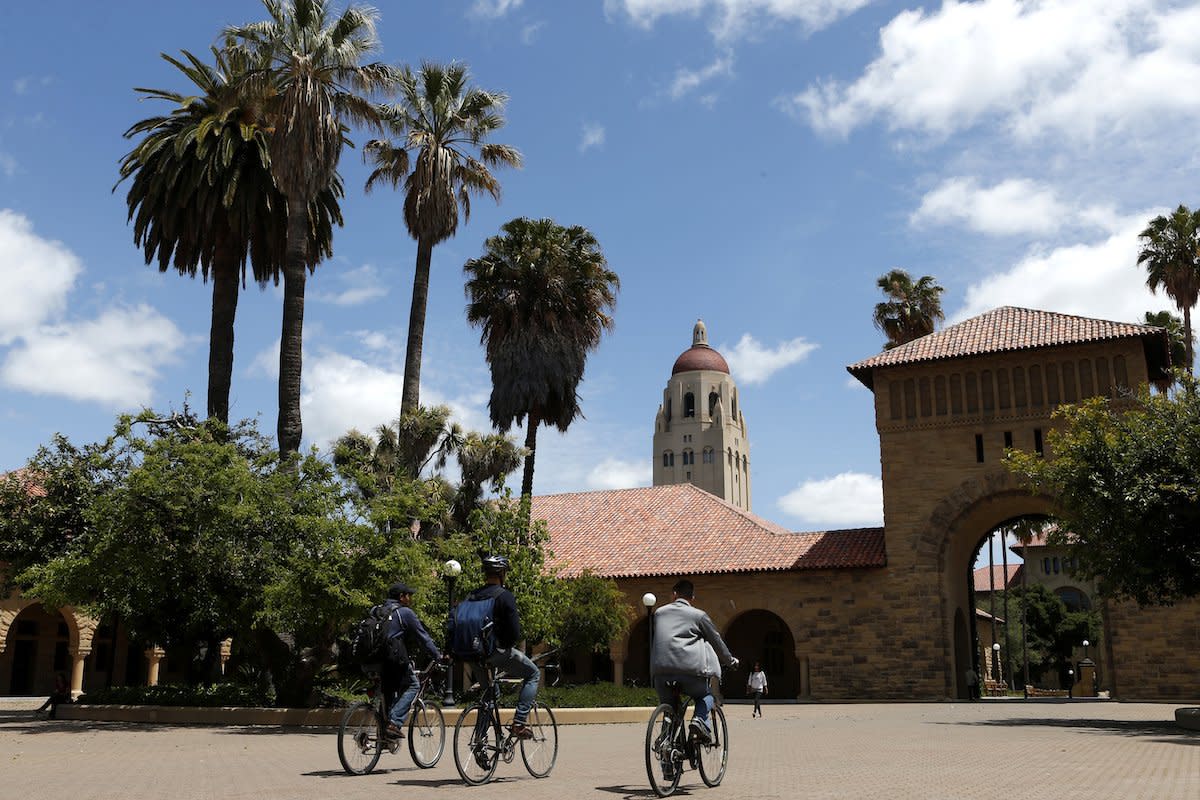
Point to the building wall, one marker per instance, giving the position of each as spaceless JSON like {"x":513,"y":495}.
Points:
{"x":1154,"y":652}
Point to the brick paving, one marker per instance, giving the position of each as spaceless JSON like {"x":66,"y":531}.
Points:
{"x":996,"y":750}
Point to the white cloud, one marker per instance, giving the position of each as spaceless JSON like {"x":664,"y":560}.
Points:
{"x":362,"y":285}
{"x":592,"y":136}
{"x":36,"y":275}
{"x":1013,"y":206}
{"x":728,"y":19}
{"x":751,"y":362}
{"x":686,"y":80}
{"x":8,"y":164}
{"x":530,"y":33}
{"x":1072,"y":67}
{"x":493,"y":9}
{"x":1100,"y":279}
{"x":113,"y":360}
{"x":846,"y":500}
{"x":613,"y":473}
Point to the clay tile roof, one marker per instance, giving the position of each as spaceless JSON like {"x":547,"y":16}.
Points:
{"x":983,"y":583}
{"x":27,"y":480}
{"x":684,"y":530}
{"x":1009,"y":328}
{"x":700,"y":356}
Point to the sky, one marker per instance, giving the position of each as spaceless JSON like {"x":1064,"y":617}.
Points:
{"x":757,"y":164}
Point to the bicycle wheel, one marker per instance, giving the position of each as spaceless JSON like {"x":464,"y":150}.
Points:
{"x":360,"y":738}
{"x":664,"y":762}
{"x":540,"y":752}
{"x":426,"y":734}
{"x":476,"y":745}
{"x":714,"y":757}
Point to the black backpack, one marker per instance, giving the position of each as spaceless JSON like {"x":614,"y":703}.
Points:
{"x":369,"y":642}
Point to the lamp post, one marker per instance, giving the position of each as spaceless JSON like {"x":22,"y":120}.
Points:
{"x":1085,"y":648}
{"x":1070,"y":682}
{"x":996,"y":660}
{"x":648,"y":600}
{"x":451,"y":570}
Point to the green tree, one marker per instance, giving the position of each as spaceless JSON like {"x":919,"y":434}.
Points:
{"x":442,"y":123}
{"x":911,"y":311}
{"x":1052,"y":631}
{"x":201,"y":196}
{"x":594,"y":613}
{"x":542,"y":296}
{"x":1177,"y":342}
{"x":1170,"y":251}
{"x":318,"y":85}
{"x":1126,"y":482}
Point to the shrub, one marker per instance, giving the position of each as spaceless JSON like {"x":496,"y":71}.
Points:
{"x":216,"y":695}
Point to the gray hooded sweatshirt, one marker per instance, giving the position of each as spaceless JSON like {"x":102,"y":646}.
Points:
{"x":686,"y":642}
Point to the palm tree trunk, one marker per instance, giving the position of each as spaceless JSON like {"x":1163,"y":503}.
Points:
{"x":290,"y":428}
{"x":1187,"y":335}
{"x":1007,"y":626}
{"x":532,"y":421}
{"x":220,"y":337}
{"x":410,"y":399}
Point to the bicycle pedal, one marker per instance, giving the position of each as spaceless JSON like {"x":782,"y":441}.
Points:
{"x":508,"y":754}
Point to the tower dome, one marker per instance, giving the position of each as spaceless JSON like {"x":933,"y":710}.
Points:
{"x":700,"y":356}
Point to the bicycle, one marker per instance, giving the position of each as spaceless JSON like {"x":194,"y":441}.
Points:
{"x":481,"y":741}
{"x":669,"y":744}
{"x":362,"y":735}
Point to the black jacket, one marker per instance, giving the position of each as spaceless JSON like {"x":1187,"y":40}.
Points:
{"x":506,"y":624}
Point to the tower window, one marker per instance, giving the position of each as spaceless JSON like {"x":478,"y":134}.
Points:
{"x":707,"y":456}
{"x":689,"y":405}
{"x":1008,"y":440}
{"x":1037,"y":441}
{"x":979,"y":448}
{"x":668,"y":458}
{"x":712,"y":403}
{"x":689,"y":457}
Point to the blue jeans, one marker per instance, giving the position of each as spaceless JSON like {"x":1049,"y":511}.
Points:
{"x":405,"y":688}
{"x":512,"y":661}
{"x":694,"y":686}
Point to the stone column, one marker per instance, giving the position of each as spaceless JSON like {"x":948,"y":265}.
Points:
{"x":618,"y":652}
{"x":77,"y":656}
{"x":154,"y":656}
{"x":226,"y":651}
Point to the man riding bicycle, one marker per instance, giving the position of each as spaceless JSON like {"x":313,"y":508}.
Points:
{"x":687,"y":649}
{"x":399,"y":682}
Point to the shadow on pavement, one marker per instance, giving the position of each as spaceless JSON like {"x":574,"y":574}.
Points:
{"x":26,"y":722}
{"x":632,"y":792}
{"x":1165,"y":730}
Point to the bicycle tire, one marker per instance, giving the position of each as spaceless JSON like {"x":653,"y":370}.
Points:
{"x":661,"y":752}
{"x":360,"y":738}
{"x":540,"y":752}
{"x":426,"y":734}
{"x":714,"y":757}
{"x":476,"y":745}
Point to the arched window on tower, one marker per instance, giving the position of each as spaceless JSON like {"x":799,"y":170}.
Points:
{"x":707,"y":456}
{"x":712,"y":403}
{"x":668,"y":409}
{"x":689,"y":457}
{"x":689,"y":405}
{"x":668,"y":458}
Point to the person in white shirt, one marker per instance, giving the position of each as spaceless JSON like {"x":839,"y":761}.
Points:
{"x":757,"y":684}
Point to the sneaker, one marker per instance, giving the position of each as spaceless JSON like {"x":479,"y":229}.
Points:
{"x":701,"y":731}
{"x":394,"y":731}
{"x":520,"y":730}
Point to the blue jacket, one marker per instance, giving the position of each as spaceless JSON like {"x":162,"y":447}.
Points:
{"x":402,"y":620}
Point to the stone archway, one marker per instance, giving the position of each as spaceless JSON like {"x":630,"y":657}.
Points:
{"x":762,"y":636}
{"x":637,"y":652}
{"x":47,"y":653}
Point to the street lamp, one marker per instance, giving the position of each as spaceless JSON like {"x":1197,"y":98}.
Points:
{"x":1085,"y":648}
{"x":451,"y":570}
{"x":996,"y":660}
{"x":648,"y":600}
{"x":1070,"y":682}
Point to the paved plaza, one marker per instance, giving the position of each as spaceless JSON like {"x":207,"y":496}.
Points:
{"x":998,"y":750}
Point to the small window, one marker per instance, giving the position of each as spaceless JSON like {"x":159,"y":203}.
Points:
{"x":979,"y":448}
{"x":668,"y":459}
{"x":689,"y":405}
{"x":1037,"y":441}
{"x":688,"y":476}
{"x":1054,"y":561}
{"x":708,"y":455}
{"x":1008,"y":440}
{"x":1045,"y":566}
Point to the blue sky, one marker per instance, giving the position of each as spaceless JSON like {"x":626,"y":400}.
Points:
{"x":755,"y":163}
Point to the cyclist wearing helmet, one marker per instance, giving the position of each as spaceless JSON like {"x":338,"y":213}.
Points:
{"x":687,"y":648}
{"x":506,"y":628}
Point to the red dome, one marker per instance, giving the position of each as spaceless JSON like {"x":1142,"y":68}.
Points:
{"x":698,"y":357}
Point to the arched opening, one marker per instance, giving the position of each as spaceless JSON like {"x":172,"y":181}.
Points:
{"x":761,"y":636}
{"x":689,"y":405}
{"x":37,"y":647}
{"x":712,"y":403}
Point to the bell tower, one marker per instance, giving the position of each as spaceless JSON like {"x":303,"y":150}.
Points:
{"x":700,"y":433}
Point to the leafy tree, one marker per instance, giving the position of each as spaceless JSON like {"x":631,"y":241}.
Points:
{"x":911,"y":311}
{"x":1177,"y":342}
{"x":1170,"y":251}
{"x":594,"y":613}
{"x":201,"y":196}
{"x":542,"y":296}
{"x":443,"y":124}
{"x":1126,"y":480}
{"x":317,"y":86}
{"x":1053,"y":632}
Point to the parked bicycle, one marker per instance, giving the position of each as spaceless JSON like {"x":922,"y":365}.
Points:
{"x":670,"y":746}
{"x":481,"y":740}
{"x":362,"y":736}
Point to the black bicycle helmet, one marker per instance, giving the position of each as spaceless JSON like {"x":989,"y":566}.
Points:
{"x":493,"y":564}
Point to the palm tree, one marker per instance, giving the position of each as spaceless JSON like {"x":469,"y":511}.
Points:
{"x":443,"y":123}
{"x":319,"y":81}
{"x":541,"y":294}
{"x":1170,"y":249}
{"x":202,"y":197}
{"x":1177,"y":343}
{"x":912,"y":309}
